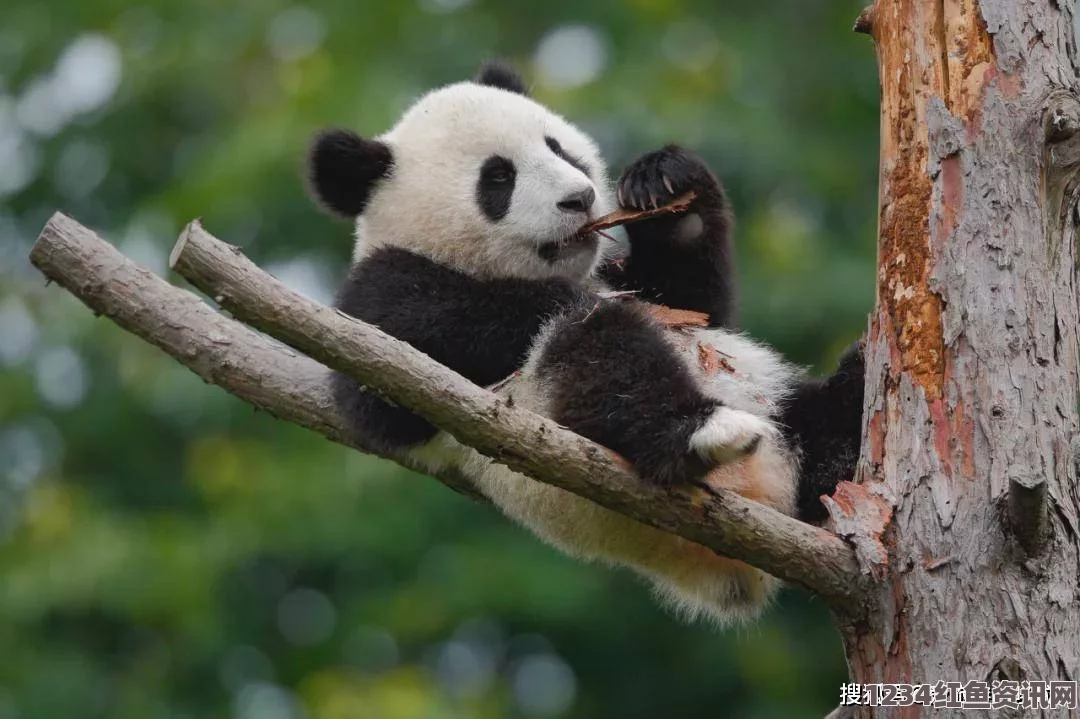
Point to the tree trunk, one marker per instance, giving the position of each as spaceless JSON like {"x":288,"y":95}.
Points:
{"x":972,"y":379}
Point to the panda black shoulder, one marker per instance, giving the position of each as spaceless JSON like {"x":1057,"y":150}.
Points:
{"x":480,"y":327}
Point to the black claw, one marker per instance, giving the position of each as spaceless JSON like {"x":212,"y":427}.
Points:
{"x":659,"y":177}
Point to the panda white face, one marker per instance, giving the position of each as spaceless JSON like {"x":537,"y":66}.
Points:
{"x":488,"y":181}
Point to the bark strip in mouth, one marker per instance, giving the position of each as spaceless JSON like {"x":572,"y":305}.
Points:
{"x":624,"y":217}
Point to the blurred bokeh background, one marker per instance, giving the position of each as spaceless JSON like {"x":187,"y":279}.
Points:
{"x":167,"y":552}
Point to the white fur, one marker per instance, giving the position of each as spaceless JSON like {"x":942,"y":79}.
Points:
{"x":729,"y":434}
{"x":689,"y":227}
{"x":428,"y":206}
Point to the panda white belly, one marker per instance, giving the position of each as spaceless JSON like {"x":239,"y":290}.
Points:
{"x":692,"y":579}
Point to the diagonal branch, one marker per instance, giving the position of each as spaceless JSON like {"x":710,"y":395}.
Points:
{"x":147,"y":306}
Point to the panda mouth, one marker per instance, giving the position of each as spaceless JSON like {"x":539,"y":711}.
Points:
{"x":556,"y":250}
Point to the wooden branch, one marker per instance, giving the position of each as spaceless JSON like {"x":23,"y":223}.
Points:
{"x":250,"y":365}
{"x":174,"y":320}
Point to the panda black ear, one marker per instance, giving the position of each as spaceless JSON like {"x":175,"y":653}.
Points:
{"x":343,"y":169}
{"x":500,"y":74}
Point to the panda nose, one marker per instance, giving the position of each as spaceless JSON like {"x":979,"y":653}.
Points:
{"x":578,"y":201}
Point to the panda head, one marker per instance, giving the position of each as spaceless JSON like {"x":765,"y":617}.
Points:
{"x":475,"y":175}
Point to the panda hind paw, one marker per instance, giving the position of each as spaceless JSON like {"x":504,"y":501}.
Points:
{"x":729,"y":434}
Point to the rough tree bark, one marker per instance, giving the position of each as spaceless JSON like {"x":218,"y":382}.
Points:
{"x":972,"y":370}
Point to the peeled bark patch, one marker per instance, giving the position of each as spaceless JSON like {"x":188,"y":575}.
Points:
{"x":935,"y":59}
{"x":860,"y":516}
{"x":676,"y":318}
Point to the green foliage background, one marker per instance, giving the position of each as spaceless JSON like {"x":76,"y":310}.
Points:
{"x":167,"y":552}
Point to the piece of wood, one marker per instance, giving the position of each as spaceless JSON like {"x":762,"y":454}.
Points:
{"x":676,"y":318}
{"x":722,"y":521}
{"x":625,"y":217}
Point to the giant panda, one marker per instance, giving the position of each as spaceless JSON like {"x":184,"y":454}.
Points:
{"x":466,"y":216}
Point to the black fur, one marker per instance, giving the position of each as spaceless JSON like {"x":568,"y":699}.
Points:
{"x":691,"y":274}
{"x":495,"y":187}
{"x":575,"y":162}
{"x":375,"y":423}
{"x":823,"y":422}
{"x":343,"y":169}
{"x":616,"y":380}
{"x":482,"y":329}
{"x":496,"y":73}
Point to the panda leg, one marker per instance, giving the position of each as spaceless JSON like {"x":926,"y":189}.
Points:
{"x":683,"y":261}
{"x":373,"y":423}
{"x":612,"y":376}
{"x":823,"y":420}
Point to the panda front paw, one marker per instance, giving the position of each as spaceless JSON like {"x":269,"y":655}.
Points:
{"x":729,"y":434}
{"x":658,"y":177}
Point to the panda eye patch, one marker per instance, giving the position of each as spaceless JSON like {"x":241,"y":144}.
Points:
{"x":495,"y":187}
{"x":497,"y":170}
{"x":558,"y":150}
